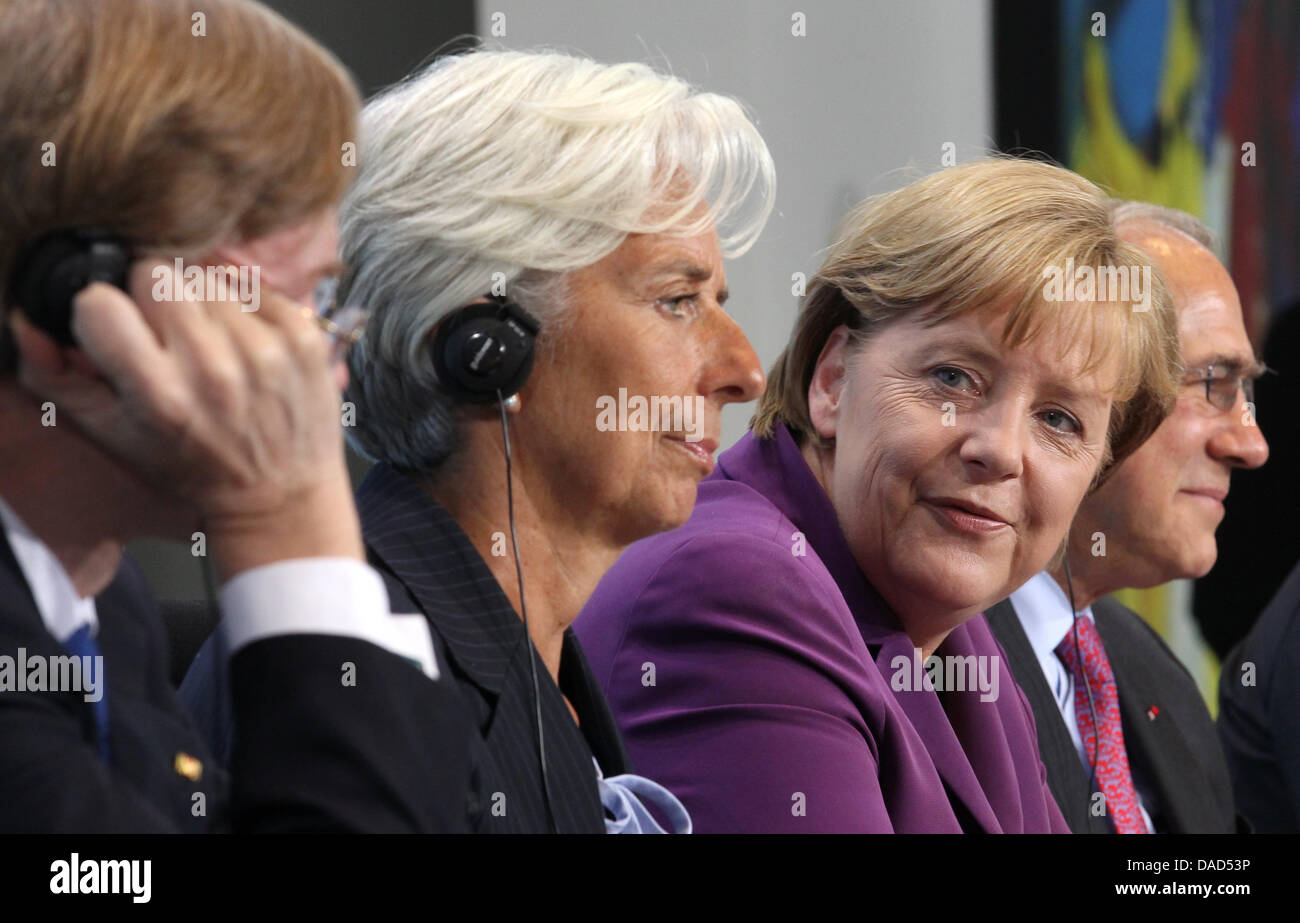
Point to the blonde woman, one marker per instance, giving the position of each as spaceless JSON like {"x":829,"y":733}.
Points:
{"x":808,"y":652}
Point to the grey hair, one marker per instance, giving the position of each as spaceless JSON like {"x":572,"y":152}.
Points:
{"x":1125,"y":212}
{"x":497,"y":169}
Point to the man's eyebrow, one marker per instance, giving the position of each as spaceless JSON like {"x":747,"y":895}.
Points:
{"x":1235,"y":365}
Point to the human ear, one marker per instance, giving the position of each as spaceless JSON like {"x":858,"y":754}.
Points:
{"x":829,"y":378}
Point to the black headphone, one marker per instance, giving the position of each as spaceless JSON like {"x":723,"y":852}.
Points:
{"x":483,"y":352}
{"x":50,"y":270}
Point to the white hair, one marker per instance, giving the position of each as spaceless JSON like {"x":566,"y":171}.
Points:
{"x":508,"y":168}
{"x":1126,"y":212}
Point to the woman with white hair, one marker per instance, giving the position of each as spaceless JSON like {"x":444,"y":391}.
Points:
{"x":539,"y":240}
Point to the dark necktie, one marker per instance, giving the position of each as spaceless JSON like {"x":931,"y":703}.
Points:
{"x":81,"y":643}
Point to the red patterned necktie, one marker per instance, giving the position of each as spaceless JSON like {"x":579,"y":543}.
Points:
{"x":1113,"y":776}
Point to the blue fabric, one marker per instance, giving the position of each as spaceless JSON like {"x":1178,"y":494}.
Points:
{"x":81,"y":643}
{"x":205,"y":693}
{"x":625,"y":797}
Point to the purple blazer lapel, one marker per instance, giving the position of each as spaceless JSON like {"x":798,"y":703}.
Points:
{"x":998,"y":734}
{"x":926,"y":714}
{"x":776,"y":468}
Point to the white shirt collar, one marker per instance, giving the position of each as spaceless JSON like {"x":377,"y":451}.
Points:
{"x":1044,"y":613}
{"x":61,"y":608}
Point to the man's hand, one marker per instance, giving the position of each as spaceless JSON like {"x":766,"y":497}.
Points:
{"x":234,"y":413}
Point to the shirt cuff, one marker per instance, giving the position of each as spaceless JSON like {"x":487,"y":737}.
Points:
{"x":321,"y":596}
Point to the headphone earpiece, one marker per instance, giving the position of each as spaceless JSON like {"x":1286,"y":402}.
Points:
{"x":483,"y":353}
{"x":481,"y":350}
{"x":51,"y":269}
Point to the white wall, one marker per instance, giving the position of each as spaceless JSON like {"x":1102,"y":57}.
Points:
{"x":873,"y":86}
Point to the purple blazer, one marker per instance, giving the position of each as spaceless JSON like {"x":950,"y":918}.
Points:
{"x":757,"y":684}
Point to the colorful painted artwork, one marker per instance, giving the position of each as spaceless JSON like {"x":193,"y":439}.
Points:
{"x":1194,"y":104}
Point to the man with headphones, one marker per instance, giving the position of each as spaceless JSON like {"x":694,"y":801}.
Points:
{"x":130,"y":413}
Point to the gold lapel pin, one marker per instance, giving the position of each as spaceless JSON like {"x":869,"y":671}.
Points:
{"x":188,"y":766}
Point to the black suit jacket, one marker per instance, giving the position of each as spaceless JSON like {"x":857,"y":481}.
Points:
{"x":50,"y":771}
{"x":1258,"y":720}
{"x":313,"y":754}
{"x":431,"y":566}
{"x":1168,"y":733}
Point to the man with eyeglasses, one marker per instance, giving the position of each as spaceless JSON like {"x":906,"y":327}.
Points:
{"x":1125,"y":736}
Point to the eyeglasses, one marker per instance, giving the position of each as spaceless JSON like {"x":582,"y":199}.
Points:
{"x":1220,"y":387}
{"x":344,"y":325}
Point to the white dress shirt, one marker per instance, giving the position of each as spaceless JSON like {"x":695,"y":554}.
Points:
{"x":321,"y":596}
{"x":318,"y":596}
{"x":62,"y":609}
{"x":1044,"y":613}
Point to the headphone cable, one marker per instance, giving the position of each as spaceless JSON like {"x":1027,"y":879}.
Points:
{"x":523,"y":611}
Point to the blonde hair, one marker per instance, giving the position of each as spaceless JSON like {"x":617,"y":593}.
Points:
{"x":976,"y":237}
{"x":177,"y":142}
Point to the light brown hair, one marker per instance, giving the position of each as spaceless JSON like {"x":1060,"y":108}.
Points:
{"x":177,"y":142}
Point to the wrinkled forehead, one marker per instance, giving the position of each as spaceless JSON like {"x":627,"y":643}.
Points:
{"x":696,"y":256}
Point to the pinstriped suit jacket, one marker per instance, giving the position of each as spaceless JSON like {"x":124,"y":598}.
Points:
{"x":430,"y":566}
